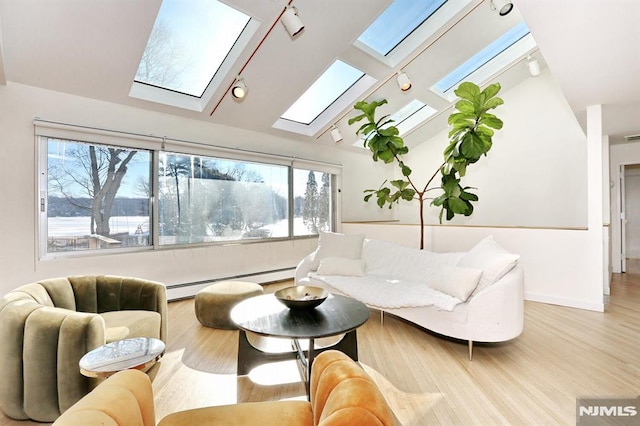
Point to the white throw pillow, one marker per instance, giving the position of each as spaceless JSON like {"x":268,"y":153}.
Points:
{"x":342,"y":266}
{"x":331,"y":244}
{"x":492,"y":259}
{"x":454,"y":280}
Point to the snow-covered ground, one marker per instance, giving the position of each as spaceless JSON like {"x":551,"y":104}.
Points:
{"x":77,"y":226}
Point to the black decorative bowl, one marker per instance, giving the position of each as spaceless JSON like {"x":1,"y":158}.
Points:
{"x":301,"y":296}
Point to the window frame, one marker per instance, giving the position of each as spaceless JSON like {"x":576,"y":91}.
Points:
{"x":44,"y":130}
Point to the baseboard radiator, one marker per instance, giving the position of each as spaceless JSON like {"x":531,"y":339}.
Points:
{"x":188,"y":290}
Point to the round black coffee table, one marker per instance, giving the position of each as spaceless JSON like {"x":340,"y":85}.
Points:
{"x":266,"y":316}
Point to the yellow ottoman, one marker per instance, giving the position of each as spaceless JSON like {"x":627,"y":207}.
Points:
{"x":213,"y":303}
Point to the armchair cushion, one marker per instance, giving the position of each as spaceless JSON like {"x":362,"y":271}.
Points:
{"x":125,"y":324}
{"x":268,"y":413}
{"x":124,"y":399}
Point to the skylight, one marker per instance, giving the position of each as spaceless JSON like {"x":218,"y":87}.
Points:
{"x":406,"y":118}
{"x":191,"y":48}
{"x":405,"y":25}
{"x":482,"y":58}
{"x":398,"y":20}
{"x":335,"y":90}
{"x":412,"y":114}
{"x":188,"y":43}
{"x":332,"y":84}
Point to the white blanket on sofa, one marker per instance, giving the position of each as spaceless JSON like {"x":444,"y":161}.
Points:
{"x":383,"y":292}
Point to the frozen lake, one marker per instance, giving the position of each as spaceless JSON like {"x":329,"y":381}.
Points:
{"x":78,"y":226}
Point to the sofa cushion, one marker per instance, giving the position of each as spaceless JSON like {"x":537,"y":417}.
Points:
{"x":494,"y":261}
{"x":386,"y":292}
{"x":389,"y":259}
{"x":454,"y":280}
{"x":124,"y":324}
{"x":342,"y":266}
{"x":331,"y":244}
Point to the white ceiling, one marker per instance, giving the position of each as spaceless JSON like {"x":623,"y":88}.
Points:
{"x":92,"y":49}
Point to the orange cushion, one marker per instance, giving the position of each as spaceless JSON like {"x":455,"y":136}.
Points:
{"x":269,"y":413}
{"x":354,"y":396}
{"x":124,"y":399}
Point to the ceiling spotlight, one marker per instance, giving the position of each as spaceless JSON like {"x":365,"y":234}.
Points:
{"x":291,"y":21}
{"x":403,"y":81}
{"x":336,"y":135}
{"x":502,"y":6}
{"x":533,"y":66}
{"x":239,"y":89}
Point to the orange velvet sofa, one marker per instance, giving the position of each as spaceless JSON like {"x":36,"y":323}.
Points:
{"x":342,"y":394}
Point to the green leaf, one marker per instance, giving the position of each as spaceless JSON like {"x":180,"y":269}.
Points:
{"x":460,"y":167}
{"x":468,"y":196}
{"x":492,"y":103}
{"x":386,"y":155}
{"x":450,"y":213}
{"x":491,"y":90}
{"x":465,"y":106}
{"x":356,"y":118}
{"x":402,"y":151}
{"x":487,"y":132}
{"x":468,"y":90}
{"x":439,"y":200}
{"x":457,"y":206}
{"x":400,"y":184}
{"x":491,"y":120}
{"x":406,"y":171}
{"x":472,"y":146}
{"x":408,"y":194}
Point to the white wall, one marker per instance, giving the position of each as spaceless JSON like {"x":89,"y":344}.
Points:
{"x":19,"y":104}
{"x":535,"y":173}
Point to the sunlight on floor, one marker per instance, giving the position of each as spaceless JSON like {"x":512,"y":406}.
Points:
{"x":276,"y":373}
{"x":407,"y":406}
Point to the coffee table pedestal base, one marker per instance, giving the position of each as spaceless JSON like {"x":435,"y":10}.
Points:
{"x":250,"y":357}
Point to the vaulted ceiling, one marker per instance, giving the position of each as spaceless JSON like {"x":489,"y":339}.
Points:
{"x":93,"y":48}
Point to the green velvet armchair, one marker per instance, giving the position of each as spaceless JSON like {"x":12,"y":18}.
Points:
{"x":47,"y":326}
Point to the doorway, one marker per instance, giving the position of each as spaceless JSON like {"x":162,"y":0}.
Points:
{"x":630,"y":218}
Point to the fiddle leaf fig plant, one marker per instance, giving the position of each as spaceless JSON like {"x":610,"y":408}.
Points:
{"x":470,"y":138}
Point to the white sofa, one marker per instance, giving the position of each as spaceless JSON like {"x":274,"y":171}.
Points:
{"x":476,"y":296}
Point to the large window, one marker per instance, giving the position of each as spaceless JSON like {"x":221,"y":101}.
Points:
{"x":205,"y":199}
{"x":98,"y":196}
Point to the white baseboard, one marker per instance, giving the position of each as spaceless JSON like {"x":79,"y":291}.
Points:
{"x":187,"y":290}
{"x":570,"y":303}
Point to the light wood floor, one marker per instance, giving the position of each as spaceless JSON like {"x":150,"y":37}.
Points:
{"x":563,"y":353}
{"x":633,"y":266}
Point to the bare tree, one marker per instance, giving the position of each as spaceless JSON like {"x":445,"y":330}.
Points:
{"x":98,"y":172}
{"x":163,"y":62}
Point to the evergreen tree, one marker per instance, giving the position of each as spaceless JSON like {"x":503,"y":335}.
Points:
{"x":310,"y":209}
{"x":324,"y":204}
